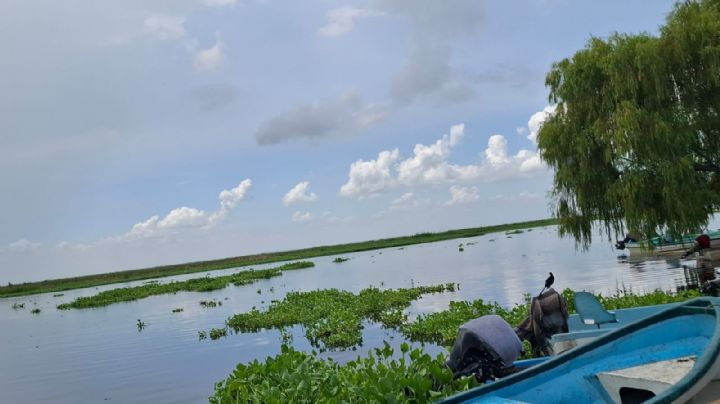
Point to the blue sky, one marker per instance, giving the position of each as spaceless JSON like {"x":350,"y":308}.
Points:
{"x":137,"y":133}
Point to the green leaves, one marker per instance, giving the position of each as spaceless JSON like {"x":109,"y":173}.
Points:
{"x":206,"y":284}
{"x":635,"y":139}
{"x":293,"y":376}
{"x":441,"y":327}
{"x":384,"y":375}
{"x":333,"y":318}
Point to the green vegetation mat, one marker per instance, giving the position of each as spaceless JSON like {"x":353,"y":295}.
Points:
{"x":382,"y":375}
{"x":55,"y":285}
{"x":205,"y":284}
{"x":441,"y":327}
{"x":333,"y":318}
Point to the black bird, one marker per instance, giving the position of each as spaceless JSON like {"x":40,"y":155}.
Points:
{"x":548,"y":282}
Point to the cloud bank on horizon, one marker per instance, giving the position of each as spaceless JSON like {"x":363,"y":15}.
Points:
{"x":318,"y":123}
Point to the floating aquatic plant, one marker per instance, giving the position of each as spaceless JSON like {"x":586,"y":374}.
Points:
{"x":35,"y":311}
{"x":55,"y":285}
{"x":339,"y":260}
{"x":333,"y":318}
{"x":441,"y":327}
{"x":205,"y":284}
{"x":210,"y":303}
{"x":217,"y":333}
{"x":381,"y":376}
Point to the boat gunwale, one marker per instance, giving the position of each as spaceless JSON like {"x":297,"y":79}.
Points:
{"x":700,"y":305}
{"x":688,"y":386}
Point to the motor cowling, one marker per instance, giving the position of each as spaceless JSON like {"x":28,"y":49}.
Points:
{"x":484,"y":347}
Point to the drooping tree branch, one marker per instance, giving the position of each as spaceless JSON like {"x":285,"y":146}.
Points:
{"x":707,"y":167}
{"x":634,"y":142}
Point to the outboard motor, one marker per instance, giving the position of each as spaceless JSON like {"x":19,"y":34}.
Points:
{"x":548,"y":316}
{"x":484,"y":347}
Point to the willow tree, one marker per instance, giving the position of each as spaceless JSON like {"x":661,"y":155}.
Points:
{"x":635,"y":137}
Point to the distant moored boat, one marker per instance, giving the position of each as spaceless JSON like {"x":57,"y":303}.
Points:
{"x":661,"y":245}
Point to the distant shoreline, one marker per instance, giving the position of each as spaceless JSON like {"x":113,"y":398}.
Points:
{"x":56,"y":285}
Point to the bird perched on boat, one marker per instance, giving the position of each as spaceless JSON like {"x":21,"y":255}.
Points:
{"x":548,"y":282}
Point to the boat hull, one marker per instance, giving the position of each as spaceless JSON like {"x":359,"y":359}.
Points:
{"x":688,"y":330}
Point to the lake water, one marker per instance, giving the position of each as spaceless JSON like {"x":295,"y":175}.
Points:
{"x":98,"y":355}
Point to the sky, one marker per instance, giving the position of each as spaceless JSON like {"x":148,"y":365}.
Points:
{"x":137,"y":133}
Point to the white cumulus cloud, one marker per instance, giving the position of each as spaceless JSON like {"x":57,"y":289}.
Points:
{"x":229,"y":198}
{"x":299,"y":193}
{"x":341,"y":20}
{"x":460,"y":195}
{"x":185,"y":217}
{"x":431,"y":165}
{"x":536,"y":121}
{"x":67,"y":246}
{"x":23,"y":245}
{"x":211,"y":58}
{"x":369,"y":178}
{"x":406,"y":201}
{"x":164,"y":27}
{"x":496,"y":152}
{"x":301,"y":216}
{"x":144,"y":229}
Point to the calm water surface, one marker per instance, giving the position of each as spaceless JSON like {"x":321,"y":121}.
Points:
{"x":98,"y":355}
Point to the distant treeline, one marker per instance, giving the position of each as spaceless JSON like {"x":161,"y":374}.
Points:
{"x":54,"y":285}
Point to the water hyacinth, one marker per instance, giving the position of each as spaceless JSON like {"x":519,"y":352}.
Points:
{"x":294,"y":376}
{"x":205,"y":284}
{"x":381,"y":376}
{"x":333,"y":318}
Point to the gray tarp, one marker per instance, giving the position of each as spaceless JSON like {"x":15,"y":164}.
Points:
{"x":548,"y":316}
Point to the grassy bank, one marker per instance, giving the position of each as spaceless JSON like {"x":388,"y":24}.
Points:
{"x":55,"y":285}
{"x":204,"y":284}
{"x":382,"y":376}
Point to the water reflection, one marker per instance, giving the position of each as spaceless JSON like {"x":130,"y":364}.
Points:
{"x":697,"y":276}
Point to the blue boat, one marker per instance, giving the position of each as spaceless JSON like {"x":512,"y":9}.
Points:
{"x":583,"y":329}
{"x":670,"y":356}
